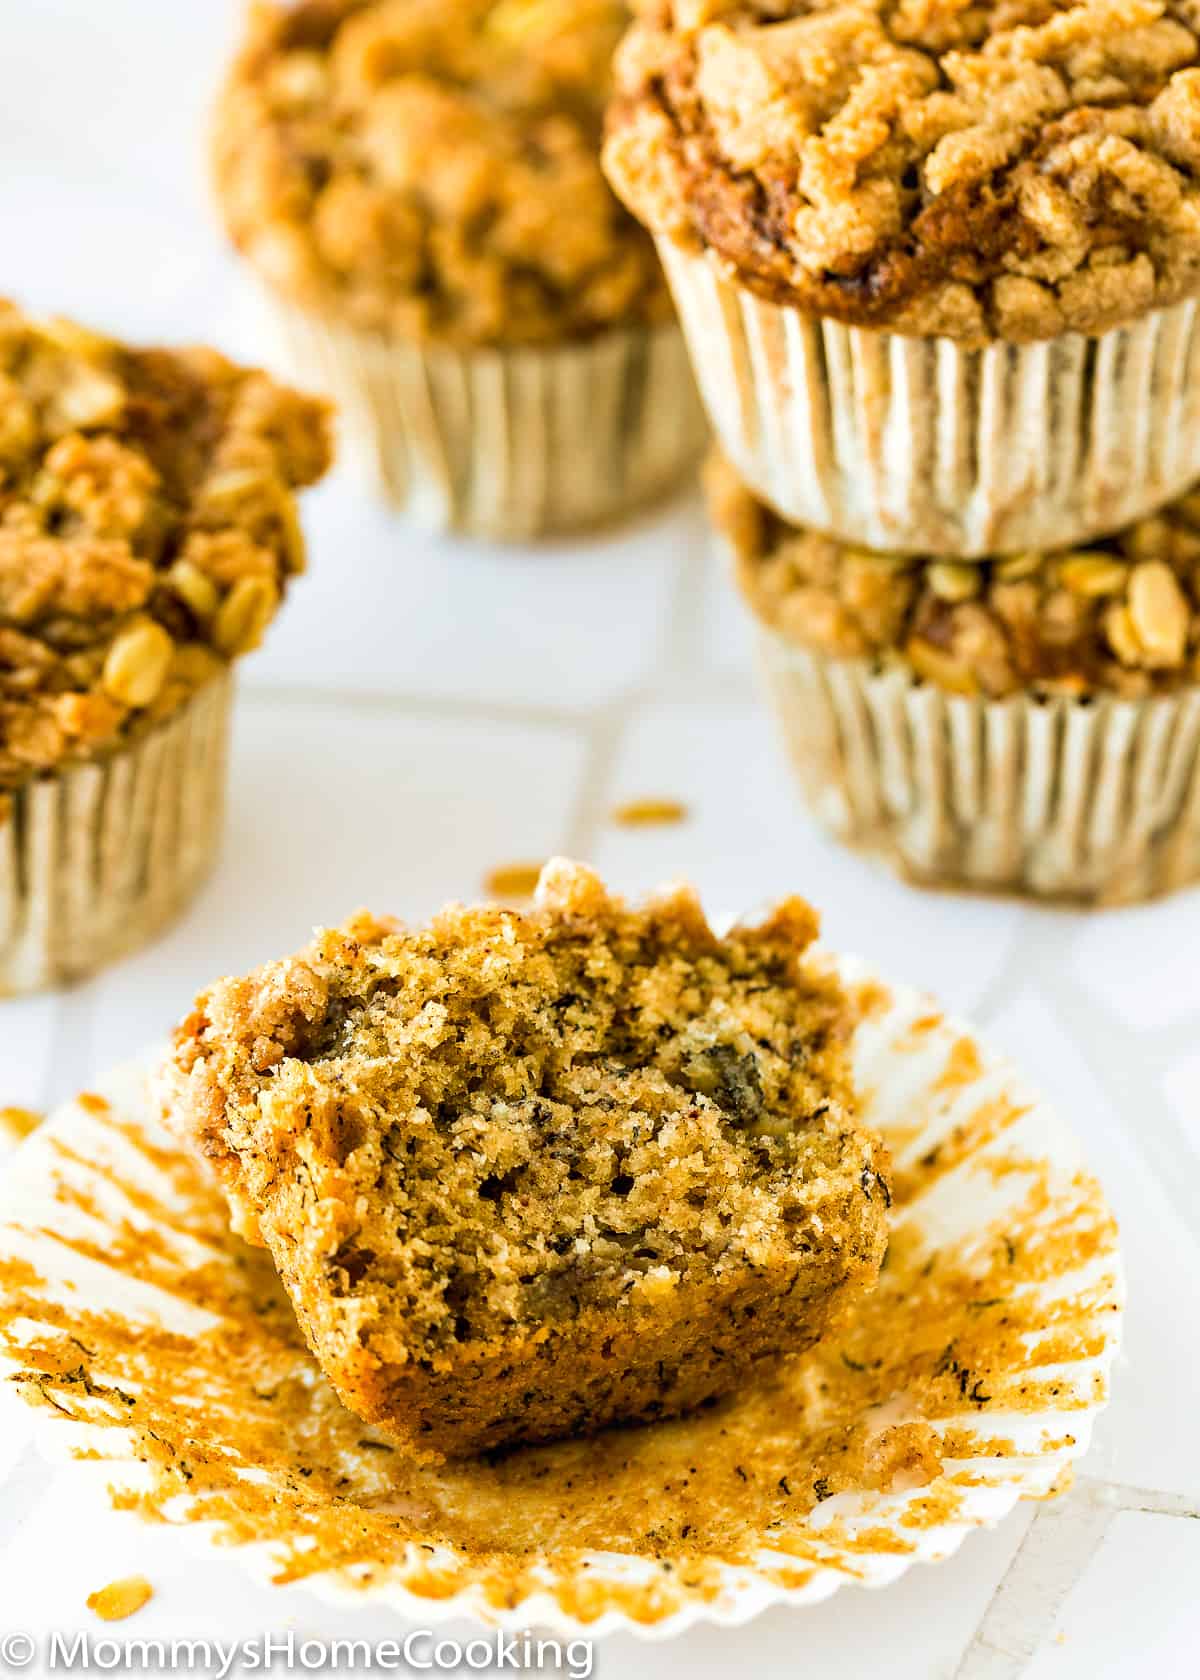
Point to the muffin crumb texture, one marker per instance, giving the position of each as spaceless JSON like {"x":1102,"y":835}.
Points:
{"x":1012,"y":169}
{"x":433,"y":171}
{"x":147,"y":531}
{"x":527,"y":1175}
{"x":1121,"y":616}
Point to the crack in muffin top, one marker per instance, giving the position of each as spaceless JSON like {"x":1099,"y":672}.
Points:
{"x":147,"y":530}
{"x":505,"y":1120}
{"x":1009,"y":170}
{"x":432,"y":171}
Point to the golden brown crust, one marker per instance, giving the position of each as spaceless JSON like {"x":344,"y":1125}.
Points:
{"x":147,"y":530}
{"x":526,"y":1175}
{"x":1012,"y":169}
{"x":1121,"y":616}
{"x":432,"y":171}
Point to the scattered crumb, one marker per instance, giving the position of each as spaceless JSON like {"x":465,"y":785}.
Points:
{"x":17,"y":1123}
{"x":121,"y":1598}
{"x":647,"y":813}
{"x":512,"y":880}
{"x":92,"y":1102}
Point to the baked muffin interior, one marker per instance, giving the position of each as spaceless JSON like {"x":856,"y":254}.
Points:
{"x":524,"y":1118}
{"x":528,"y":1175}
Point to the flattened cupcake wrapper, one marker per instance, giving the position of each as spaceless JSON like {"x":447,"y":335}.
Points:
{"x":509,"y":444}
{"x":1089,"y":801}
{"x":918,"y":445}
{"x":96,"y":859}
{"x":967,"y":1380}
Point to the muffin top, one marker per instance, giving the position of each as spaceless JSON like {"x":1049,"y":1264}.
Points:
{"x":1001,"y":168}
{"x":432,"y":170}
{"x":147,"y":530}
{"x":1121,"y":616}
{"x":506,"y":1119}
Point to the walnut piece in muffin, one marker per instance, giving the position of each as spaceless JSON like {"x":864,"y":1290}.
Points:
{"x":1121,"y":616}
{"x":147,"y":530}
{"x":1009,"y":168}
{"x":527,"y":1175}
{"x":432,"y":171}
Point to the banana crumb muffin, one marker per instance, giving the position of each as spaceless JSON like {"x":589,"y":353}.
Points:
{"x":433,"y":170}
{"x":1012,"y":169}
{"x":147,"y":531}
{"x":419,"y":188}
{"x":1120,"y":617}
{"x":527,"y":1175}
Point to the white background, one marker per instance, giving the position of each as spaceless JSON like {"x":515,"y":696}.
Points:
{"x":425,"y":711}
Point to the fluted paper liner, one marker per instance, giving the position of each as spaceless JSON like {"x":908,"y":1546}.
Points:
{"x":509,"y":444}
{"x":918,"y":445}
{"x":967,"y":1381}
{"x":98,"y":857}
{"x":1091,"y":800}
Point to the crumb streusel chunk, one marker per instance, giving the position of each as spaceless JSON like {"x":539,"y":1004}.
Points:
{"x":1121,"y":616}
{"x":432,"y":170}
{"x":147,"y":530}
{"x":526,"y":1175}
{"x":1011,"y":168}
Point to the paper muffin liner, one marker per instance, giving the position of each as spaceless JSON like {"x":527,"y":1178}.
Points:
{"x":918,"y":445}
{"x":98,"y":857}
{"x":162,"y":1348}
{"x":1091,"y":800}
{"x":509,"y":444}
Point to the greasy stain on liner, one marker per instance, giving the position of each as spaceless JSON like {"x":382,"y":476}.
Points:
{"x":1011,"y":1319}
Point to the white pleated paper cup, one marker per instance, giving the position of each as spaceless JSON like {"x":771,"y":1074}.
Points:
{"x":99,"y":857}
{"x":160,"y":1347}
{"x":508,"y":444}
{"x":919,"y":445}
{"x":1084,"y":800}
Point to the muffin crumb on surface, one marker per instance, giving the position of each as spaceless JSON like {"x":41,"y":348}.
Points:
{"x":147,"y":530}
{"x":526,"y":1175}
{"x":1011,"y":170}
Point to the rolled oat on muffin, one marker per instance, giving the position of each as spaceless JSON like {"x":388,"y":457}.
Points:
{"x":525,"y":1175}
{"x":148,"y":531}
{"x":937,"y":264}
{"x":418,"y":185}
{"x":1029,"y":723}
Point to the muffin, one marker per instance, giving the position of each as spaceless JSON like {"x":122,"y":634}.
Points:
{"x":527,"y":1175}
{"x":147,"y":534}
{"x":937,"y":263}
{"x":419,"y":187}
{"x":1029,"y":723}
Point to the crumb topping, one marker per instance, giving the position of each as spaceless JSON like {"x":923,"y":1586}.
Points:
{"x":147,"y":530}
{"x":433,"y":171}
{"x":508,"y":1125}
{"x":1011,"y":169}
{"x":1121,"y":616}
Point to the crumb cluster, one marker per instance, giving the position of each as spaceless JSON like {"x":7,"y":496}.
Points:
{"x":525,"y":1175}
{"x":1121,"y":616}
{"x":1012,"y":168}
{"x":432,"y":171}
{"x":147,"y":530}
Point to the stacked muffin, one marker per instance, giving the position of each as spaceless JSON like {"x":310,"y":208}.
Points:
{"x":418,"y":186}
{"x":937,"y":266}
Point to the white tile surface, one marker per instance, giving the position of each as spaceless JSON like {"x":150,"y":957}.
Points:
{"x":427,"y":710}
{"x":1136,"y":1610}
